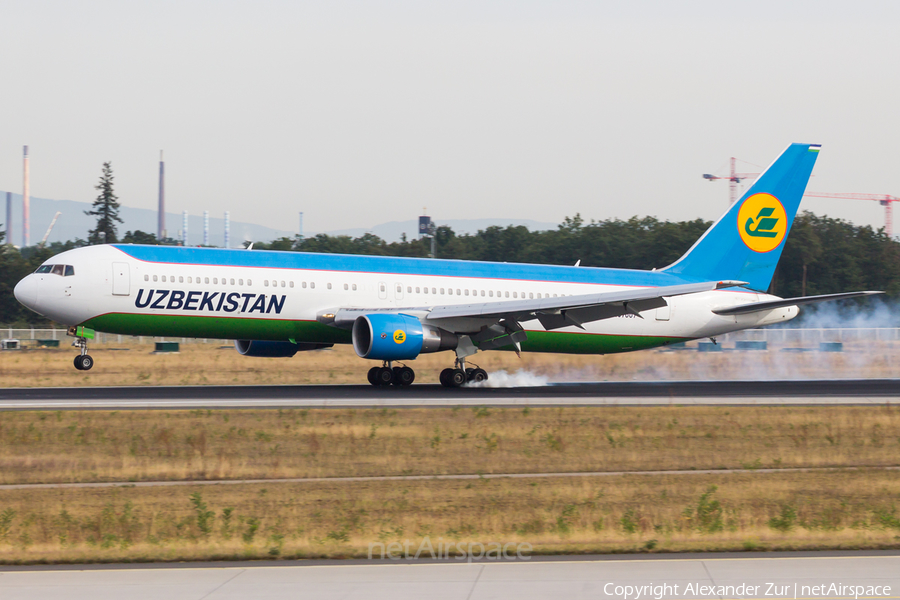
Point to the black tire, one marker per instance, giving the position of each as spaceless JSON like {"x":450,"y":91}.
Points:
{"x":86,"y":362}
{"x":385,"y":376}
{"x":372,"y":375}
{"x":457,"y":377}
{"x":478,"y":375}
{"x":445,"y":377}
{"x":404,"y":377}
{"x":78,"y":362}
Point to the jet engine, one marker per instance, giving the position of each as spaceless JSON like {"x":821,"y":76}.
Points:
{"x":398,"y":337}
{"x":273,"y":349}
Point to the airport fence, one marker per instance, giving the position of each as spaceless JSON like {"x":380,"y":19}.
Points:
{"x":37,"y":335}
{"x":790,"y":336}
{"x":774,"y":336}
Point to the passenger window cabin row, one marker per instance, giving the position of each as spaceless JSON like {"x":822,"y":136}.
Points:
{"x":483,"y":293}
{"x":216,"y":281}
{"x":311,"y":285}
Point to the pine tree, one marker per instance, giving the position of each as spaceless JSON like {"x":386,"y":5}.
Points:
{"x":106,"y":209}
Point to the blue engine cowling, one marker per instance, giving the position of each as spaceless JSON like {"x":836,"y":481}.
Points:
{"x":273,"y":349}
{"x":398,"y":337}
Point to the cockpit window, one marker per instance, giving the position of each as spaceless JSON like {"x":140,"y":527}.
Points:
{"x":62,"y":270}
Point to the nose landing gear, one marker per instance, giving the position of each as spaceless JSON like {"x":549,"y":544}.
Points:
{"x":83,"y":362}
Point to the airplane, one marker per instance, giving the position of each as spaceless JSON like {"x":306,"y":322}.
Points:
{"x":275,"y":304}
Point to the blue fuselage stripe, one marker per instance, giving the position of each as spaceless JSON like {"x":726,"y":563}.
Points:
{"x":390,"y":265}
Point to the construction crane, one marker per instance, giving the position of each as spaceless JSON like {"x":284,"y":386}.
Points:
{"x":49,"y":229}
{"x":733,"y":178}
{"x":886,"y":201}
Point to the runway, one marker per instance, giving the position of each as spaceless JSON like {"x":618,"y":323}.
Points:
{"x":792,"y":392}
{"x":750,"y":576}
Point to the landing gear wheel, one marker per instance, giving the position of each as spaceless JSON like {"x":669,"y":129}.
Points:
{"x":478,"y":375}
{"x":83,"y":362}
{"x":404,"y":376}
{"x":372,"y":375}
{"x":445,"y":377}
{"x":385,"y":376}
{"x":457,"y":377}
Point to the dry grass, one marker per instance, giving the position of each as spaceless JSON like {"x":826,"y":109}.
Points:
{"x":621,"y":514}
{"x":844,"y":509}
{"x":236,"y":444}
{"x":208,"y":364}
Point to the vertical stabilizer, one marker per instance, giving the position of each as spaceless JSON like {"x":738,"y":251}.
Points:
{"x":746,"y":242}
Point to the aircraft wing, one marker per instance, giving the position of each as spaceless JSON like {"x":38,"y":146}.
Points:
{"x":743,"y":309}
{"x":553,"y":313}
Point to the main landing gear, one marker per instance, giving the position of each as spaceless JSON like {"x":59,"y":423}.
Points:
{"x":459,"y":374}
{"x":83,"y":362}
{"x":403,"y":376}
{"x":388,"y":375}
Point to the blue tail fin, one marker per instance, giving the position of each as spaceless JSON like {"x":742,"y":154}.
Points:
{"x":746,"y":242}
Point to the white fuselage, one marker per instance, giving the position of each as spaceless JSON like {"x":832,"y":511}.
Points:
{"x":107,"y":281}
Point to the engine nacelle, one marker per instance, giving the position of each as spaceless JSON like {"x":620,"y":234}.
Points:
{"x":273,"y":349}
{"x":398,"y":337}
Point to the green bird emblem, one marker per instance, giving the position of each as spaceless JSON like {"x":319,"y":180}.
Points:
{"x":763,"y":225}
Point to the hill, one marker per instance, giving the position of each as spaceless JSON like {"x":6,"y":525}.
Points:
{"x":73,"y":223}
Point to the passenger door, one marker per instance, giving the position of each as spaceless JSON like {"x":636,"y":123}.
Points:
{"x":121,"y":279}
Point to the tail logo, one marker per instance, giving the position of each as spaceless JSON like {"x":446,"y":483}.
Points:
{"x":762,"y":222}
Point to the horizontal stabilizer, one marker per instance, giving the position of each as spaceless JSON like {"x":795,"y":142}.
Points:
{"x":744,"y":309}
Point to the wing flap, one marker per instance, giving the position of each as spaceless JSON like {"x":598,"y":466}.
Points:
{"x":584,"y":307}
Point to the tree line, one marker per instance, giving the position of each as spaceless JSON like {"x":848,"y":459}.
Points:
{"x":822,"y":255}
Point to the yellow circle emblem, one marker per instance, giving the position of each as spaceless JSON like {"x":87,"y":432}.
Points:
{"x":762,"y":222}
{"x":399,"y":336}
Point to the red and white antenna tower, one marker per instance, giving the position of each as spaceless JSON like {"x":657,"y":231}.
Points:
{"x":734,"y":179}
{"x":886,"y":201}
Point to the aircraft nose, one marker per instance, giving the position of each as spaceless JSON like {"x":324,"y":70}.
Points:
{"x":26,"y":291}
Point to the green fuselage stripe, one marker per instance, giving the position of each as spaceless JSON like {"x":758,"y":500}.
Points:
{"x":311,"y":331}
{"x":229,"y":328}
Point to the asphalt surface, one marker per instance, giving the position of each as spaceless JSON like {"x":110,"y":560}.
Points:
{"x":792,"y":392}
{"x":744,"y":576}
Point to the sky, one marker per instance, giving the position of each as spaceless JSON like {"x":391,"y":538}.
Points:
{"x":358,"y":113}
